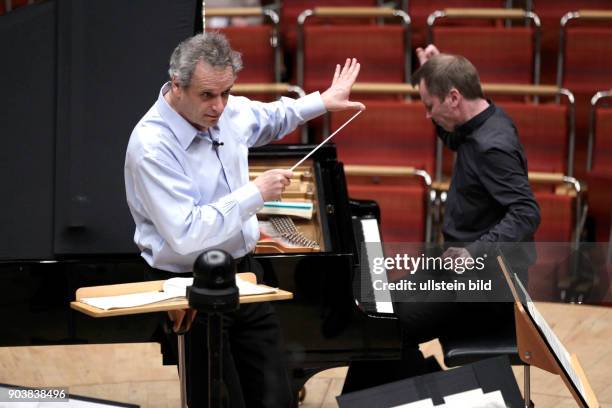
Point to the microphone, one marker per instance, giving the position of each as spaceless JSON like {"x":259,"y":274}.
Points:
{"x":217,"y":143}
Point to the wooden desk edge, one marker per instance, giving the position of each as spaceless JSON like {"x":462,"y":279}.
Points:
{"x":172,"y":304}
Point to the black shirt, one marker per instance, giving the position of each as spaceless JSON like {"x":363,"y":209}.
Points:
{"x":489,"y":199}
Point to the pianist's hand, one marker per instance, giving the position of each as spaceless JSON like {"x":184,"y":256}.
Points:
{"x":425,"y":54}
{"x":272,"y":183}
{"x":455,"y":252}
{"x":336,"y":97}
{"x":181,"y":319}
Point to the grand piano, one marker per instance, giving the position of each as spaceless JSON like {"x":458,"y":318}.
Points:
{"x":63,"y":216}
{"x":325,"y":325}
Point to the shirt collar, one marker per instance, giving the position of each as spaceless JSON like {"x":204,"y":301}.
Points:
{"x":183,"y":130}
{"x":471,"y":125}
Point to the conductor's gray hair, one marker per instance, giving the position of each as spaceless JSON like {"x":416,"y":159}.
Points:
{"x":211,"y":47}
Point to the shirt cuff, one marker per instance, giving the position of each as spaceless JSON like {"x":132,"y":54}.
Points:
{"x":249,"y":200}
{"x":310,"y":106}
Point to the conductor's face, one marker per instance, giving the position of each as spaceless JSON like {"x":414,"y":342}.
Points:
{"x":203,"y":101}
{"x":440,"y":111}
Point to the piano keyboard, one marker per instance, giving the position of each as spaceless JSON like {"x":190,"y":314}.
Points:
{"x":372,"y":244}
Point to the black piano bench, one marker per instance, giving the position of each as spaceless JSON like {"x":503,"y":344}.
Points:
{"x":466,"y":350}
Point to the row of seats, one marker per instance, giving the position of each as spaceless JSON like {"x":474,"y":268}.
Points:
{"x":518,"y":42}
{"x":397,"y":133}
{"x":502,"y":55}
{"x":547,"y":129}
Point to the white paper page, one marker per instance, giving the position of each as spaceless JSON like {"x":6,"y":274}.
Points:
{"x":178,"y":287}
{"x":246,"y":288}
{"x":426,"y":403}
{"x":557,"y":347}
{"x":464,"y":399}
{"x":493,"y":399}
{"x":172,"y":288}
{"x":130,"y":300}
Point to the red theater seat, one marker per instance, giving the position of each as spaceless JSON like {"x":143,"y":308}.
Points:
{"x":602,"y":144}
{"x":381,"y":50}
{"x":557,"y":212}
{"x":544,"y":133}
{"x":290,"y":10}
{"x":387,"y":138}
{"x":258,"y":43}
{"x":588,"y":59}
{"x":402,"y":208}
{"x":418,"y":10}
{"x":585,"y":58}
{"x":599,"y":178}
{"x":501,"y":54}
{"x":392,"y":133}
{"x":253,"y":42}
{"x":550,"y":12}
{"x":557,"y":226}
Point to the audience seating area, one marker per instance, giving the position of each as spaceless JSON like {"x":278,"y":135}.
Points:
{"x":512,"y":43}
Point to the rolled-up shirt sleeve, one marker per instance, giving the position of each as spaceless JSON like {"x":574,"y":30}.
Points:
{"x":167,"y":196}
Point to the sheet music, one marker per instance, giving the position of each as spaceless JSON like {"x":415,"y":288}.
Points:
{"x":372,"y":235}
{"x":493,"y":399}
{"x":130,"y":300}
{"x":473,"y":399}
{"x":553,"y":341}
{"x":463,"y":399}
{"x":178,"y":287}
{"x":173,"y":288}
{"x":426,"y":403}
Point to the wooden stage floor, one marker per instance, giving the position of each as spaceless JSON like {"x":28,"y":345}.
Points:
{"x":133,"y":372}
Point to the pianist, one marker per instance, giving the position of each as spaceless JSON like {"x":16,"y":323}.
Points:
{"x":188,"y":189}
{"x":489,"y":199}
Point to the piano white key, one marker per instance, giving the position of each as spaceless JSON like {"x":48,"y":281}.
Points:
{"x":371,"y":237}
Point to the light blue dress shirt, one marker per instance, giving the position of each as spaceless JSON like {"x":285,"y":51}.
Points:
{"x":187,"y":195}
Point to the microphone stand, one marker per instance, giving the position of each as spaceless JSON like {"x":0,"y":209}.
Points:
{"x":214,"y":292}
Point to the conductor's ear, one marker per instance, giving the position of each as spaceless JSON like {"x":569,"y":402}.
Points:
{"x":455,"y":97}
{"x":174,"y":84}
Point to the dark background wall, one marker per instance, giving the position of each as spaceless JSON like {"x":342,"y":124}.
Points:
{"x":76,"y":76}
{"x":27,"y":129}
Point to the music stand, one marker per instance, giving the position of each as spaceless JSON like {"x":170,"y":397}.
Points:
{"x":539,"y":346}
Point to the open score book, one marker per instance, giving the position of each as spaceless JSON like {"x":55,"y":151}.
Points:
{"x":174,"y":288}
